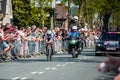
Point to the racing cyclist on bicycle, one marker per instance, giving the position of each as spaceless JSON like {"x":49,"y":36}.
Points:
{"x":49,"y":39}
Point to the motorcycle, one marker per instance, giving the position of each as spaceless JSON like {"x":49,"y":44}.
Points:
{"x":75,"y":50}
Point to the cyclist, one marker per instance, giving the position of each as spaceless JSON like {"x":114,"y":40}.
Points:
{"x":49,"y":39}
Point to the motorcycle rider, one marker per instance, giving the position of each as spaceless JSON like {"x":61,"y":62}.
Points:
{"x":74,"y":22}
{"x":73,"y":34}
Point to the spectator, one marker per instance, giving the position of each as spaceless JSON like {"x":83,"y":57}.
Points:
{"x":114,"y":63}
{"x":23,"y":40}
{"x":5,"y":39}
{"x":17,"y":38}
{"x":30,"y":41}
{"x":8,"y":25}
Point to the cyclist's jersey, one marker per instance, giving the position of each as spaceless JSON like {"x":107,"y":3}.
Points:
{"x":50,"y":37}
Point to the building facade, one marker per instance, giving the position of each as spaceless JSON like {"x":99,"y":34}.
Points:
{"x":6,"y":13}
{"x":62,"y":15}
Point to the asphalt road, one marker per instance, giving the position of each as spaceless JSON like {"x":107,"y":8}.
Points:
{"x":62,"y":67}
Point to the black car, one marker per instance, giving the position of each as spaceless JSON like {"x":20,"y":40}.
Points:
{"x":108,"y":42}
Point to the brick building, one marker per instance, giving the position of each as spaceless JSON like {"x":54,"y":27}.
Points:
{"x":62,"y":15}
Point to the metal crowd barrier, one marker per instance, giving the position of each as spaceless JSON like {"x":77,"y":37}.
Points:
{"x":59,"y":45}
{"x":28,"y":48}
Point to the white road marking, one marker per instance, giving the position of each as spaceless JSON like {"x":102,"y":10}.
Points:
{"x":33,"y":72}
{"x":67,"y":62}
{"x":15,"y":78}
{"x":53,"y":68}
{"x":63,"y":65}
{"x":71,"y":63}
{"x":85,"y":58}
{"x":58,"y":65}
{"x":24,"y":78}
{"x":47,"y":68}
{"x":40,"y":72}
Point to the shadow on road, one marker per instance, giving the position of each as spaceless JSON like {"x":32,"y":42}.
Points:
{"x":31,"y":60}
{"x":70,"y":59}
{"x":62,"y":57}
{"x":59,"y":59}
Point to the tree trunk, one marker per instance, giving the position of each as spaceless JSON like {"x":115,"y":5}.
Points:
{"x":79,"y":14}
{"x":106,"y":17}
{"x":68,"y":14}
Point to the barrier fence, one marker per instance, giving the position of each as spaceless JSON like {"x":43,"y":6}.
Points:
{"x":27,"y":48}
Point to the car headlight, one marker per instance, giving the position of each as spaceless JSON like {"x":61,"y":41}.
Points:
{"x":99,"y":44}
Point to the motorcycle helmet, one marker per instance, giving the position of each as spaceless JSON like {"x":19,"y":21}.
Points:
{"x":75,"y":18}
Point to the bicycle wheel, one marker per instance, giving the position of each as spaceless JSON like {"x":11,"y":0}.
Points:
{"x":49,"y":53}
{"x":73,"y":53}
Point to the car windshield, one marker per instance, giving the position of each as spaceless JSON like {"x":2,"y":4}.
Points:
{"x":110,"y":36}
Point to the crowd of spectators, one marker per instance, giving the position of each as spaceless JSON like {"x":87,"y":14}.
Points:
{"x":23,"y":43}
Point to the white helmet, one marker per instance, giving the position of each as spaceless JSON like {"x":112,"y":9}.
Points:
{"x":75,"y":17}
{"x":74,"y":27}
{"x":49,"y":32}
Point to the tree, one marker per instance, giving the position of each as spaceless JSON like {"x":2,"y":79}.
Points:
{"x":88,"y":12}
{"x":26,"y":13}
{"x":22,"y":12}
{"x":77,"y":3}
{"x":44,"y":9}
{"x":106,"y":8}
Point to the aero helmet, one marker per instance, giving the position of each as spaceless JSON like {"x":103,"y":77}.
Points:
{"x":49,"y":32}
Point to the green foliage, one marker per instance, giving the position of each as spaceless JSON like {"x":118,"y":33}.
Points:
{"x":90,"y":7}
{"x":110,"y":7}
{"x":26,"y":14}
